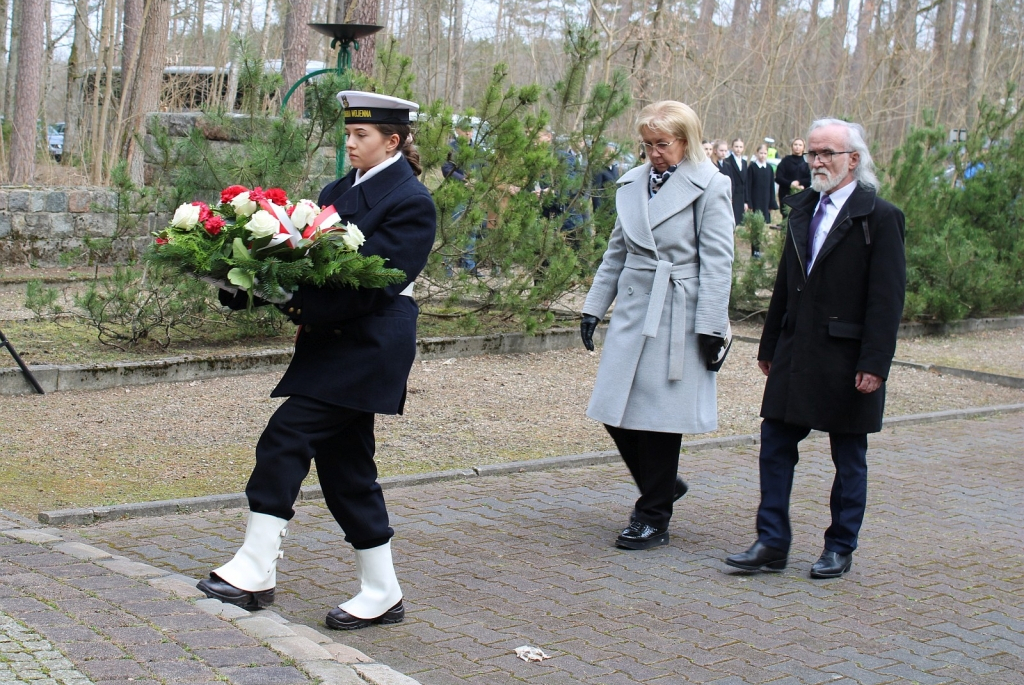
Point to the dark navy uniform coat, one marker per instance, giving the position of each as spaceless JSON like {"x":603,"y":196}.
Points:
{"x":356,"y":346}
{"x":824,"y":327}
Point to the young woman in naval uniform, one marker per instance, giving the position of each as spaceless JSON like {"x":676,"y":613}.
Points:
{"x":353,"y":354}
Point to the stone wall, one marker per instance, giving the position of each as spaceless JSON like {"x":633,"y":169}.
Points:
{"x":39,"y":225}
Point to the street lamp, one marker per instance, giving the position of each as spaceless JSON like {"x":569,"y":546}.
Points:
{"x":343,"y":36}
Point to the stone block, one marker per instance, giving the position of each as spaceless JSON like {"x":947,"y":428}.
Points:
{"x":5,"y":225}
{"x":103,"y":201}
{"x":3,"y":200}
{"x":346,"y":654}
{"x":31,"y":535}
{"x":95,"y":224}
{"x":299,"y":648}
{"x":37,"y":225}
{"x":263,"y":628}
{"x":332,"y":672}
{"x":56,"y":201}
{"x":78,"y":200}
{"x":25,"y":201}
{"x":82,"y":551}
{"x":61,"y":225}
{"x":379,"y":674}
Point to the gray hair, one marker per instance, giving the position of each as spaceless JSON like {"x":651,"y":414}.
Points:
{"x":864,"y":173}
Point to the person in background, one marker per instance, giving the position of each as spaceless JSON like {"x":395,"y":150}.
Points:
{"x":603,"y":185}
{"x":735,"y":167}
{"x":450,"y":170}
{"x":668,"y":268}
{"x":793,"y":174}
{"x":709,"y":150}
{"x":721,"y":153}
{"x":353,"y":353}
{"x":828,"y":342}
{"x":760,"y":191}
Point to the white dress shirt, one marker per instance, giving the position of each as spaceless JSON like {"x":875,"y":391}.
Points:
{"x":363,"y":175}
{"x":837,"y":199}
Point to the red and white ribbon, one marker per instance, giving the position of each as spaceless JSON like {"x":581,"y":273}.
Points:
{"x":286,"y":229}
{"x":328,"y":217}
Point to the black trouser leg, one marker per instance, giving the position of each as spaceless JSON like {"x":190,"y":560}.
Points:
{"x":341,"y":441}
{"x":653,"y":460}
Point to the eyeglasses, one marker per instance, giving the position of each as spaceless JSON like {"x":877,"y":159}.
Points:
{"x":824,"y":155}
{"x":660,"y":147}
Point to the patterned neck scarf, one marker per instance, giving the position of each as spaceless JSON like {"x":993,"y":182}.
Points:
{"x":658,"y":180}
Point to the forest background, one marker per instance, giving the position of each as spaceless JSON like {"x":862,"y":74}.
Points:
{"x":909,"y":70}
{"x":750,"y":68}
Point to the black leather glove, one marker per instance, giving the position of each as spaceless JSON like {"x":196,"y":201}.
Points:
{"x":711,"y":347}
{"x":587,"y":327}
{"x":236,"y":300}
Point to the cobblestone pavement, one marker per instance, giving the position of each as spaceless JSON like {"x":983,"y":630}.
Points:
{"x":936,"y":594}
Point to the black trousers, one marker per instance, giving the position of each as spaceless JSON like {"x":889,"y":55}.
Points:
{"x":653,"y":460}
{"x":341,"y":441}
{"x":778,"y":459}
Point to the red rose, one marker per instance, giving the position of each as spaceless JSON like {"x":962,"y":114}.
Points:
{"x":277,"y":196}
{"x":257,"y":194}
{"x":229,"y":193}
{"x":204,"y":211}
{"x":213,"y":224}
{"x":161,"y":241}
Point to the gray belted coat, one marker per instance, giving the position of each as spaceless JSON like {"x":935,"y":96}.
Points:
{"x":651,"y":376}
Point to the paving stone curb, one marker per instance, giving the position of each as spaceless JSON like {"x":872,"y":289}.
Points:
{"x":87,"y":516}
{"x":53,"y":378}
{"x":314,"y":653}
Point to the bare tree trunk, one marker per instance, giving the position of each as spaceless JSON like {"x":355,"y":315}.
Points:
{"x":966,"y":22}
{"x":865,"y":18}
{"x":245,"y":21}
{"x":364,"y":12}
{"x":12,"y":62}
{"x":976,"y":69}
{"x":28,"y":93}
{"x":101,"y":103}
{"x":149,"y":73}
{"x":740,"y":15}
{"x":5,"y":6}
{"x":457,"y":68}
{"x":74,"y":102}
{"x":131,"y":35}
{"x":837,"y":55}
{"x":294,"y":52}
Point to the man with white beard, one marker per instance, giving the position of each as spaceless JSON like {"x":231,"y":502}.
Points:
{"x":828,"y":341}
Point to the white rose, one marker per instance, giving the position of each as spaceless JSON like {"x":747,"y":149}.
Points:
{"x":352,"y":237}
{"x":243,"y":205}
{"x":185,"y":216}
{"x":304,"y":213}
{"x":263,"y":224}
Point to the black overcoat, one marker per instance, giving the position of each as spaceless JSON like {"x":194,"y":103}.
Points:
{"x":356,"y":346}
{"x":761,"y":190}
{"x":738,"y":176}
{"x":822,"y":328}
{"x":792,"y":168}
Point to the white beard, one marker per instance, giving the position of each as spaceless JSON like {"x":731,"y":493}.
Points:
{"x":822,"y":181}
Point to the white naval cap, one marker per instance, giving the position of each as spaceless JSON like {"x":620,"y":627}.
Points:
{"x":374,"y":108}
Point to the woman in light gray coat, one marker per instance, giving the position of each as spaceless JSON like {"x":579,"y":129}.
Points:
{"x":668,"y":267}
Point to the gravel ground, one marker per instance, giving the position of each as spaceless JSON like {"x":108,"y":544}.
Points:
{"x":185,"y":439}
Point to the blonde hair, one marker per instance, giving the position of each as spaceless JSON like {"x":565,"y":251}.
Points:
{"x":677,"y":120}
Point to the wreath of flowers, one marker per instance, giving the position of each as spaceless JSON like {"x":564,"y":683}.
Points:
{"x":259,"y":241}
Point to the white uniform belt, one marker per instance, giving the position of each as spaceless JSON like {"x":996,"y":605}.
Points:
{"x":666,"y":273}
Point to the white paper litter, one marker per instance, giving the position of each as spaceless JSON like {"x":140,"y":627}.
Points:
{"x":528,"y":653}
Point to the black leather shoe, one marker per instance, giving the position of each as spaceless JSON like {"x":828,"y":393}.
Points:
{"x":640,"y":535}
{"x":217,"y":588}
{"x":759,"y":558}
{"x":831,"y":564}
{"x":342,"y":620}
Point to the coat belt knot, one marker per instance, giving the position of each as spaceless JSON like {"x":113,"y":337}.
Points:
{"x":666,"y":274}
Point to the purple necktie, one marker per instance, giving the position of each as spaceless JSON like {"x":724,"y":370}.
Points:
{"x":816,"y":220}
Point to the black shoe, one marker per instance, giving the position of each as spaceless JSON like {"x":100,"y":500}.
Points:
{"x":640,"y":535}
{"x":759,"y":558}
{"x":342,"y":620}
{"x":831,"y":564}
{"x":217,"y":588}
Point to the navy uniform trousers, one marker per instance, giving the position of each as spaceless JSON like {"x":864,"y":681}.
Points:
{"x":779,"y":456}
{"x":341,"y":441}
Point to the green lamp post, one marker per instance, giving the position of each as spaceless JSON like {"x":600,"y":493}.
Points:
{"x":344,"y":37}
